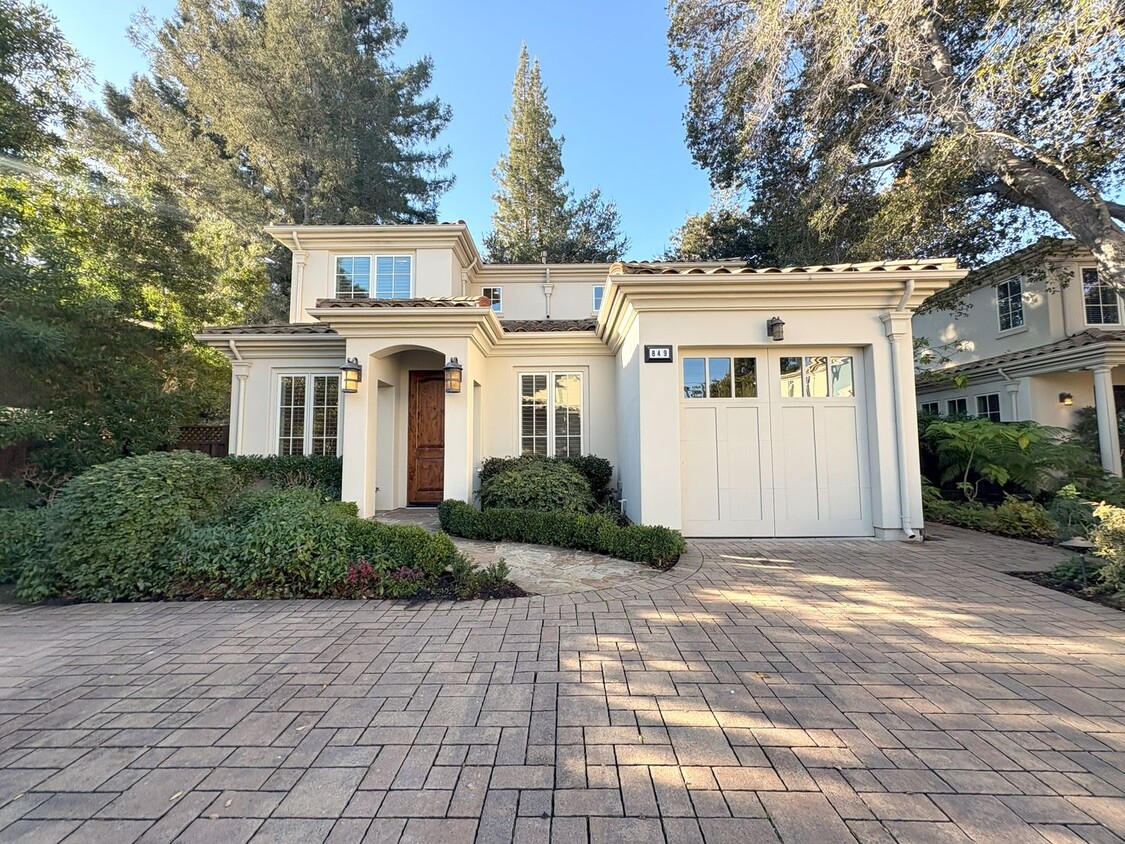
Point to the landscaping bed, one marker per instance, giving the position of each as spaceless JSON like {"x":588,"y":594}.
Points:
{"x":1072,"y":584}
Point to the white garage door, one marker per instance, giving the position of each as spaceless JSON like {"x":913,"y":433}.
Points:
{"x":774,"y":443}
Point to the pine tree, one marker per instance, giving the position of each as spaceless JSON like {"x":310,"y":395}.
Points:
{"x":536,"y":212}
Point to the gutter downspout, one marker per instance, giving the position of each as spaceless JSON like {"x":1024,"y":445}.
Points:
{"x":240,"y":369}
{"x":1013,"y":388}
{"x":893,"y":335}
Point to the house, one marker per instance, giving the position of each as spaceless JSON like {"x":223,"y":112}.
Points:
{"x":732,"y":401}
{"x":1035,"y":336}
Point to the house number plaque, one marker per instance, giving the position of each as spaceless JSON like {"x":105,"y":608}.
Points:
{"x":658,"y":354}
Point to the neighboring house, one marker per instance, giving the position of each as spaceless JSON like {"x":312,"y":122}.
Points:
{"x":1043,"y":335}
{"x":667,"y":370}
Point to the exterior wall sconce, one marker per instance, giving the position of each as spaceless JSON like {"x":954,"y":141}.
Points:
{"x":453,"y":376}
{"x":775,"y":326}
{"x":353,"y":374}
{"x":1066,"y":399}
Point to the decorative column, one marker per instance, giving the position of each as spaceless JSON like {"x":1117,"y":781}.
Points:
{"x":1013,"y":388}
{"x":300,"y":259}
{"x":1109,"y":444}
{"x":896,"y":325}
{"x":240,"y":371}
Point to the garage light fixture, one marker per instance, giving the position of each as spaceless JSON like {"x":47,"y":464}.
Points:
{"x":775,"y":327}
{"x":1066,"y":399}
{"x":453,"y":376}
{"x":353,"y":374}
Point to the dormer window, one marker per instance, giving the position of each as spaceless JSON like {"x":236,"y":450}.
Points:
{"x":393,"y":276}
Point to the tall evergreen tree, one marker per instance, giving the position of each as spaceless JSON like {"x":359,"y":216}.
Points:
{"x":536,"y":212}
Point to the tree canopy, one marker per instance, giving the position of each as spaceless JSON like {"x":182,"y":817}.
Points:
{"x":536,"y":213}
{"x":971,"y":122}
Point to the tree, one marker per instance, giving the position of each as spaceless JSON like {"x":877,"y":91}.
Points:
{"x":969,"y":116}
{"x":536,"y":213}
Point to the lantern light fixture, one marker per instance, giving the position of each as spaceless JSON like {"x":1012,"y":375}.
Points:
{"x":1066,"y":399}
{"x":353,"y":374}
{"x":775,"y":327}
{"x":453,"y":376}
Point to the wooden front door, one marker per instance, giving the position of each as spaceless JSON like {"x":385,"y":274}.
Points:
{"x":425,"y":474}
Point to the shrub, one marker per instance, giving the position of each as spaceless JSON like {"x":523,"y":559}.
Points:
{"x":103,"y":535}
{"x":322,"y":473}
{"x":21,"y":533}
{"x":1024,"y":520}
{"x":537,"y":485}
{"x":403,"y":546}
{"x":657,"y":546}
{"x":1108,"y":537}
{"x":597,"y":471}
{"x":272,"y":544}
{"x":1074,"y":516}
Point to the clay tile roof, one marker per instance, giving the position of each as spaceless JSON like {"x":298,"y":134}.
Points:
{"x":727,"y":268}
{"x":286,"y":329}
{"x":522,"y":326}
{"x":1089,"y":337}
{"x":437,"y":302}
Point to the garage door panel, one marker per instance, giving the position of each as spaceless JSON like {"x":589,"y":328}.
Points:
{"x":743,"y":482}
{"x":843,"y":471}
{"x":699,"y":455}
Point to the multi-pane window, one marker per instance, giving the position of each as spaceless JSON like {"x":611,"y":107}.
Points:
{"x":551,"y":413}
{"x":957,"y":407}
{"x":1102,"y":306}
{"x":353,"y":276}
{"x":309,"y":414}
{"x":989,"y":406}
{"x":1009,"y":304}
{"x":818,"y":377}
{"x":599,"y":292}
{"x":495,"y":297}
{"x":929,"y":407}
{"x":392,"y":276}
{"x":720,"y":378}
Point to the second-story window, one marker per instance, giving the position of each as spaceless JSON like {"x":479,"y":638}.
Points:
{"x":599,"y":291}
{"x":495,"y":295}
{"x":1009,"y":304}
{"x":988,"y":407}
{"x":384,"y":276}
{"x":1102,"y":306}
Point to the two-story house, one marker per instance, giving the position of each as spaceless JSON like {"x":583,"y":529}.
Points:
{"x":732,"y":401}
{"x":1035,"y":335}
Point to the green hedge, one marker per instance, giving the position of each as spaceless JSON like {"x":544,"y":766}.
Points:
{"x":322,"y":473}
{"x":104,"y":533}
{"x":654,"y":545}
{"x":537,"y":485}
{"x":21,"y":531}
{"x":1013,"y":517}
{"x":597,"y":471}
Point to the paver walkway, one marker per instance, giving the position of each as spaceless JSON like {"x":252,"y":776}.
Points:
{"x":537,"y":569}
{"x":803,"y":691}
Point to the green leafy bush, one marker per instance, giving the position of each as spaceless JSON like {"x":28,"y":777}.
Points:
{"x":537,"y":485}
{"x":597,"y":471}
{"x":404,"y":546}
{"x":104,"y":534}
{"x":1108,"y":537}
{"x":1073,"y":515}
{"x":1013,"y":517}
{"x":21,"y":532}
{"x":322,"y":473}
{"x":656,"y":546}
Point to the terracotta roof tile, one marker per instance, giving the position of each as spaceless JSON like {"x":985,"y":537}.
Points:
{"x":442,"y":302}
{"x":288,"y":329}
{"x":655,"y":268}
{"x":1089,"y":337}
{"x":522,"y":326}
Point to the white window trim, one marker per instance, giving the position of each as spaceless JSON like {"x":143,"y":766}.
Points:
{"x":374,"y":256}
{"x":959,"y":399}
{"x":985,"y":415}
{"x":275,"y":405}
{"x":1016,"y":329}
{"x":594,"y":297}
{"x":1082,"y":299}
{"x":584,"y":374}
{"x":936,"y":405}
{"x":499,"y":288}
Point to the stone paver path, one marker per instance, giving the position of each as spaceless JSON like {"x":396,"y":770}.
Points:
{"x":537,"y":569}
{"x":827,"y":691}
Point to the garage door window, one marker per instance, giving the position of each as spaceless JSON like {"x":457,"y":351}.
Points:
{"x":720,"y":378}
{"x":817,"y":377}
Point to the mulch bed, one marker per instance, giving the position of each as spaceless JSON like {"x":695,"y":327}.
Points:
{"x":1076,"y":588}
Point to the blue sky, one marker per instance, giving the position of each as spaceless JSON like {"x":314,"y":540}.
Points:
{"x":609,"y":85}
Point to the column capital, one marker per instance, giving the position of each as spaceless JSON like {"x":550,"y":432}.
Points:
{"x":1101,"y":368}
{"x":300,"y":257}
{"x":896,"y":323}
{"x":241,"y":368}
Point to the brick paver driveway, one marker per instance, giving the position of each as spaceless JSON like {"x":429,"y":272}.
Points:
{"x":802,"y":691}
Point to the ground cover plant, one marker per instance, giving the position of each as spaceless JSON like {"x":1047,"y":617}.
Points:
{"x":180,"y":525}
